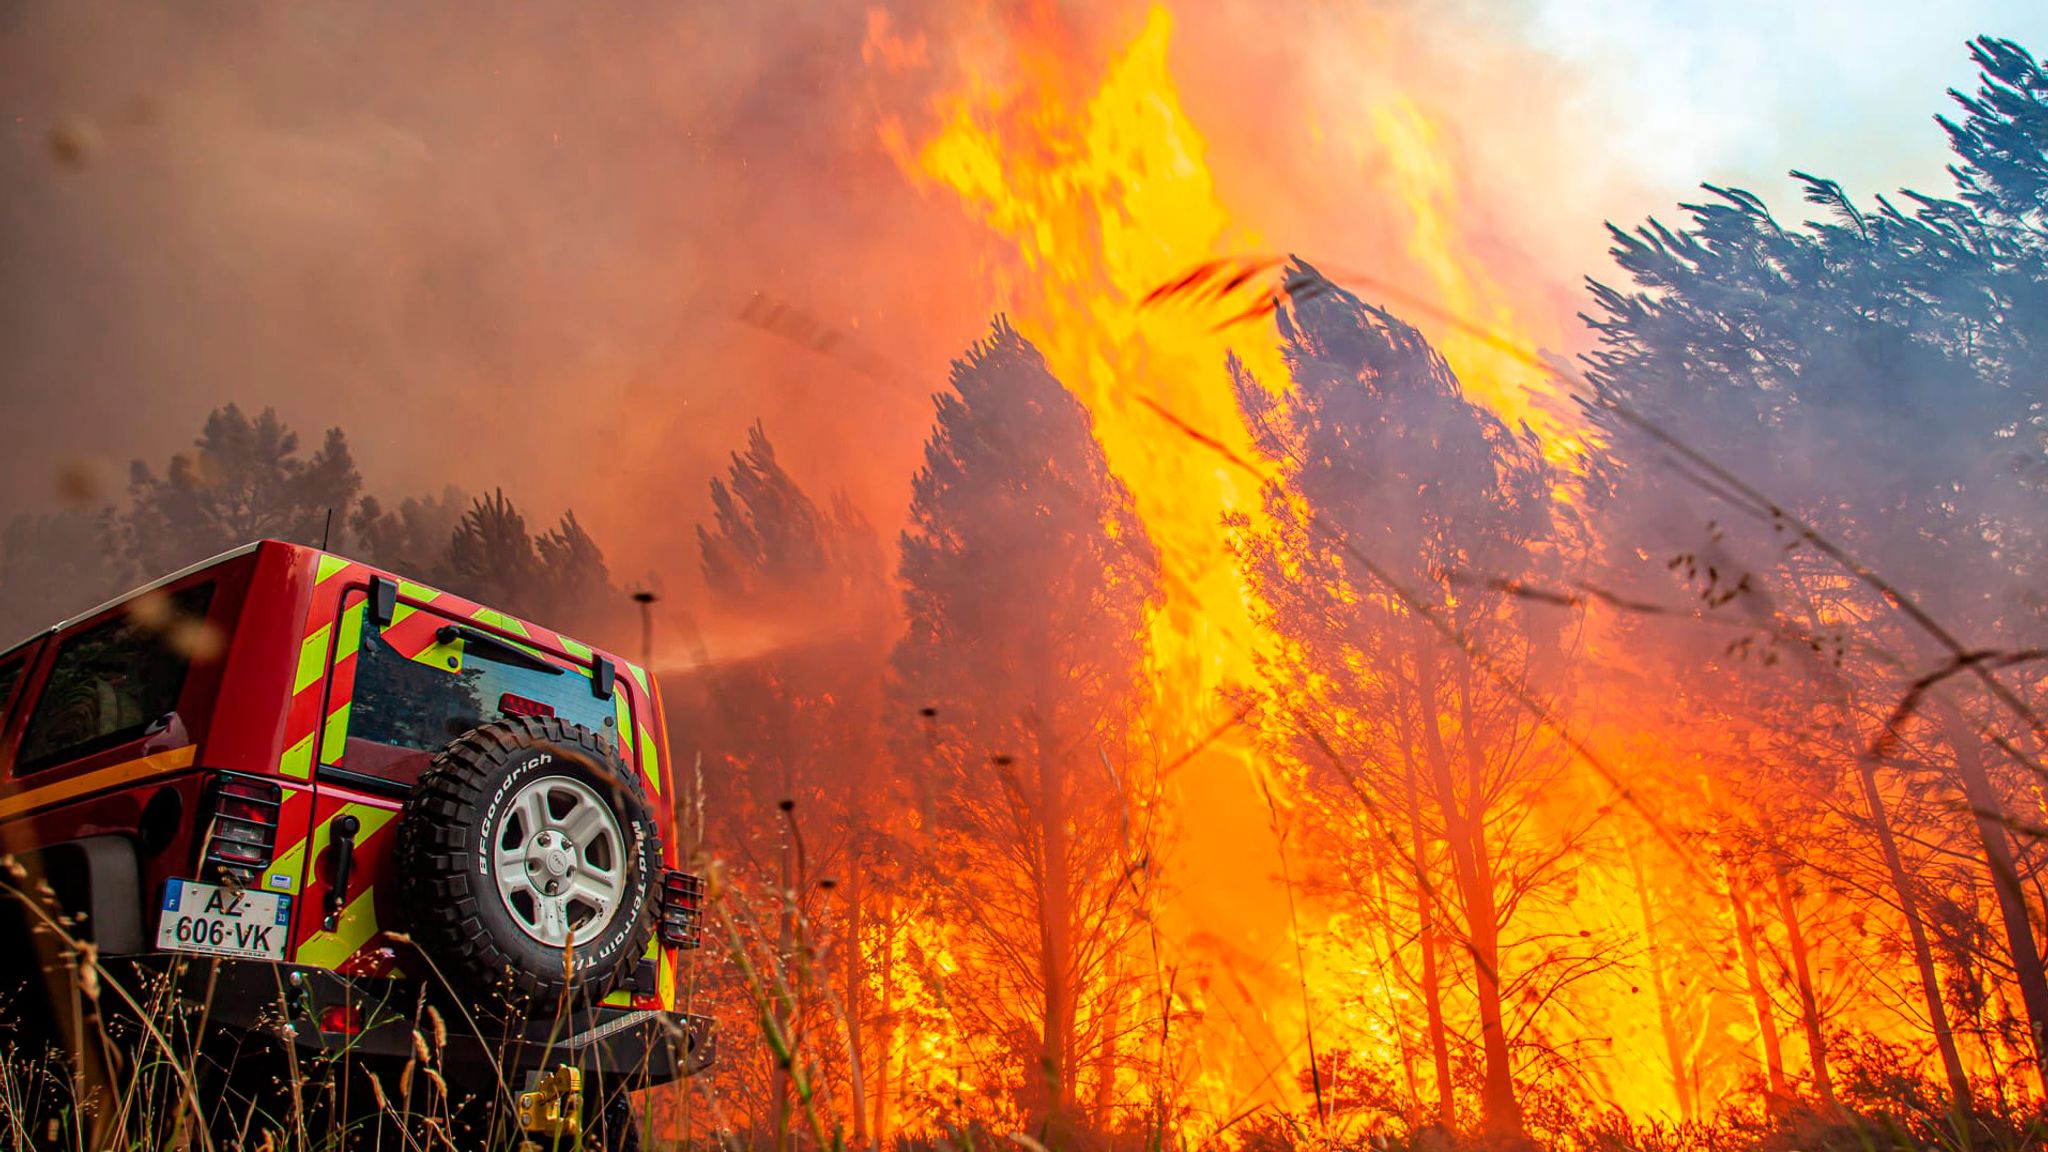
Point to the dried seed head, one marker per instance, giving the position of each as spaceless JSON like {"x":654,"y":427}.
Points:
{"x":88,"y":972}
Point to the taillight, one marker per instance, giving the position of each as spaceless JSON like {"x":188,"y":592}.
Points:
{"x":241,"y":836}
{"x":682,"y":908}
{"x":346,"y":1019}
{"x":512,"y":705}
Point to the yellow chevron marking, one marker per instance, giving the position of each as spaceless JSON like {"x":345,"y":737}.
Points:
{"x":312,"y":659}
{"x":297,"y":761}
{"x":499,"y":620}
{"x":351,"y":635}
{"x":114,"y":775}
{"x":329,"y":565}
{"x":369,"y":818}
{"x":624,"y":713}
{"x":576,"y":648}
{"x":419,"y":592}
{"x":292,"y":863}
{"x":335,"y":736}
{"x":359,"y":920}
{"x":650,"y":760}
{"x":438,"y":656}
{"x":357,"y":924}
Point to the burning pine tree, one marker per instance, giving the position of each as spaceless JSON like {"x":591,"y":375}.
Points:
{"x":1027,"y":577}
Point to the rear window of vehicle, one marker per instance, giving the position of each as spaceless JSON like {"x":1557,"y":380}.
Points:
{"x":422,"y":706}
{"x":111,"y":681}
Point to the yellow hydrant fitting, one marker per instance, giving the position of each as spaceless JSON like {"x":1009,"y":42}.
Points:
{"x":551,"y":1109}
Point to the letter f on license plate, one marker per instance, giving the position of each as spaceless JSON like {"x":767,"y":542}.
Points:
{"x":220,"y":921}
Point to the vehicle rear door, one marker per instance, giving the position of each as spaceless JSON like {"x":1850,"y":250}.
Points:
{"x":400,"y":688}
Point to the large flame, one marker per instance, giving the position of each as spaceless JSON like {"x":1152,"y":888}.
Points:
{"x":1099,"y":201}
{"x":1095,"y":188}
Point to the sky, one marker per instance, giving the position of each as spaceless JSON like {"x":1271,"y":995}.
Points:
{"x":1740,"y":91}
{"x":407,"y":222}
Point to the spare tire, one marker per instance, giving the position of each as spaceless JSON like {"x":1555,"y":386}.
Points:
{"x":528,"y":862}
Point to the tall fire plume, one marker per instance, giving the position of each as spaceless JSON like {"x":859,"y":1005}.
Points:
{"x":1095,"y":188}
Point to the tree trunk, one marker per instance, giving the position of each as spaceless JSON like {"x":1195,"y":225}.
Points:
{"x":1674,"y":1044}
{"x":785,"y":1009}
{"x":1392,"y":948}
{"x":1055,"y":1056}
{"x":1102,"y":1108}
{"x":2005,"y":878}
{"x":1426,"y":940}
{"x":1802,"y":971}
{"x":885,"y":1028}
{"x":856,"y":991}
{"x":1501,"y":1111}
{"x":1759,"y":992}
{"x":1916,"y":931}
{"x":1902,"y":884}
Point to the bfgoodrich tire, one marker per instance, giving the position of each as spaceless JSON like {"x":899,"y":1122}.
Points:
{"x":528,"y":859}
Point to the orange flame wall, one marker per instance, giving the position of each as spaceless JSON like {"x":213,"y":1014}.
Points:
{"x":1095,"y":185}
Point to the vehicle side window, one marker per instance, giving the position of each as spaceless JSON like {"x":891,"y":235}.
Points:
{"x":109,"y":682}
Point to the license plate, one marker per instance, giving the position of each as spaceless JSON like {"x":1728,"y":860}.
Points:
{"x":221,"y":921}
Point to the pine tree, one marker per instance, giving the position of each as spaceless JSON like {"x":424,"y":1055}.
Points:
{"x":559,"y":579}
{"x":1017,"y":687}
{"x":412,"y":538}
{"x":491,"y":558}
{"x":573,"y":582}
{"x":2004,"y":172}
{"x":1875,"y":373}
{"x":247,"y":481}
{"x":794,"y":718}
{"x":1398,"y":514}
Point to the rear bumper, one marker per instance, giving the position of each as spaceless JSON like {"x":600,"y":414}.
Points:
{"x":321,"y":1012}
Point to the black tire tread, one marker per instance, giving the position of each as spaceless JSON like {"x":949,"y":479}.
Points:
{"x":439,"y":892}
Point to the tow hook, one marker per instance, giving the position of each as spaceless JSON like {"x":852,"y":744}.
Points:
{"x":550,"y":1110}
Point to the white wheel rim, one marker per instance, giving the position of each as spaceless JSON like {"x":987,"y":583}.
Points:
{"x":560,"y":861}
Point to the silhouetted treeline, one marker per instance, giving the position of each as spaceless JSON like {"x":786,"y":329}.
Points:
{"x":248,"y":478}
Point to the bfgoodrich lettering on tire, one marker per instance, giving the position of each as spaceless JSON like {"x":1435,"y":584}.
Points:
{"x":527,"y":862}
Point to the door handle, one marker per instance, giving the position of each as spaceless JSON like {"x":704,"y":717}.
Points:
{"x":344,"y":863}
